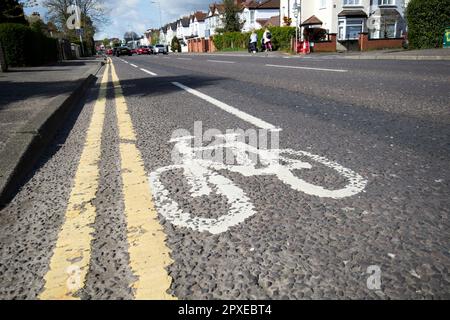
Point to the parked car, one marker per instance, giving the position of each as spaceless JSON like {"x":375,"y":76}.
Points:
{"x":160,"y":48}
{"x":109,"y":52}
{"x":143,"y":50}
{"x":123,"y":51}
{"x":133,"y":51}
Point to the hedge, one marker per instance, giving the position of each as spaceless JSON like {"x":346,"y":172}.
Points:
{"x":26,"y":47}
{"x":427,"y":20}
{"x":281,"y":39}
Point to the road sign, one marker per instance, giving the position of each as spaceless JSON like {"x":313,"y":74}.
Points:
{"x":447,"y":38}
{"x":80,"y":31}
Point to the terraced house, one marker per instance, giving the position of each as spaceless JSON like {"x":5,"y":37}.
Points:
{"x":258,"y":14}
{"x":214,"y":19}
{"x":347,"y":19}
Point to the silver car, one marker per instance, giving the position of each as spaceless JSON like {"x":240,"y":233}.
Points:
{"x":160,"y":48}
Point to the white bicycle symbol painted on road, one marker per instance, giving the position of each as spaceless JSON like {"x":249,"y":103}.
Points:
{"x":202,"y":174}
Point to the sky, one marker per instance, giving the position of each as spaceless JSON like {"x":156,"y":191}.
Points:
{"x":140,"y":15}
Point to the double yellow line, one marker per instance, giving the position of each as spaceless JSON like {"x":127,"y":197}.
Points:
{"x":149,"y":255}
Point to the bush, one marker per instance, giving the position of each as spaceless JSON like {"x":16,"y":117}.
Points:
{"x":427,"y":20}
{"x":26,"y":47}
{"x":175,"y":45}
{"x":281,"y":39}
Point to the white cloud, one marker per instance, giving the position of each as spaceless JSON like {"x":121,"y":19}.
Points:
{"x":139,"y":15}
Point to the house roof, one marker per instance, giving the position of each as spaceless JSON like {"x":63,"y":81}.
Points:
{"x":217,"y":6}
{"x":311,"y":20}
{"x":267,"y":4}
{"x":200,"y":16}
{"x":184,"y":21}
{"x":273,"y":21}
{"x":173,"y":26}
{"x":352,"y":13}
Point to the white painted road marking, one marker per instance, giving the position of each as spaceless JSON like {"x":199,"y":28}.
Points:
{"x":234,"y":111}
{"x":149,"y":72}
{"x":202,"y":176}
{"x":184,"y":58}
{"x":307,"y":68}
{"x":133,"y":65}
{"x":221,"y":61}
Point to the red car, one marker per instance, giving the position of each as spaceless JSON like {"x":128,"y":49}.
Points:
{"x":133,"y":51}
{"x":109,"y":52}
{"x":143,"y":50}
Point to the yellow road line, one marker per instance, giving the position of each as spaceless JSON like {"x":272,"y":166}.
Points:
{"x":71,"y":256}
{"x":149,"y":255}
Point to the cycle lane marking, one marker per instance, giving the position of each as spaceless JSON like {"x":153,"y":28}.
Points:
{"x":226,"y":107}
{"x":305,"y":68}
{"x":148,"y":71}
{"x":70,"y":260}
{"x":199,"y":177}
{"x":221,"y":61}
{"x":149,"y":255}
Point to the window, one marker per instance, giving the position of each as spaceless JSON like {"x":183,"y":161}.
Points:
{"x":387,"y":2}
{"x":349,"y":29}
{"x":252,"y":17}
{"x":341,"y":26}
{"x":352,"y":2}
{"x":323,"y":4}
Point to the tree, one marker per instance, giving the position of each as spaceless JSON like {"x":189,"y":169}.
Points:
{"x":105,"y":42}
{"x":427,"y":20}
{"x":130,"y":36}
{"x":231,"y":19}
{"x":95,"y":10}
{"x":175,"y":45}
{"x":12,"y":11}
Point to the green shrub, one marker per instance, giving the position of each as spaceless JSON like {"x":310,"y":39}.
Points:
{"x":281,"y":39}
{"x":15,"y":39}
{"x":26,"y":47}
{"x":427,"y":20}
{"x":175,"y":44}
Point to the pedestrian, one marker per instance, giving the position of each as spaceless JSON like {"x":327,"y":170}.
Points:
{"x":267,"y":36}
{"x":253,"y":42}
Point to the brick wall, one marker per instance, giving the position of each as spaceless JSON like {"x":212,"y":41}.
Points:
{"x":326,"y":46}
{"x":201,"y":45}
{"x":373,"y":44}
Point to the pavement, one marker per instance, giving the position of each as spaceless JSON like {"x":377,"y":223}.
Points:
{"x":400,"y":54}
{"x":31,"y":100}
{"x":357,"y":209}
{"x":386,"y":54}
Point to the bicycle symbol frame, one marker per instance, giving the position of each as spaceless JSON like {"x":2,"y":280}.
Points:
{"x":201,"y":174}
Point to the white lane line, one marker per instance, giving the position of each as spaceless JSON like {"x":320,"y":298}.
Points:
{"x":234,"y":111}
{"x":221,"y":61}
{"x":184,"y":58}
{"x":307,"y":68}
{"x":149,"y":72}
{"x":133,"y":65}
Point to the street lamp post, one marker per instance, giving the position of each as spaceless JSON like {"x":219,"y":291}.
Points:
{"x":78,"y":13}
{"x":159,"y":6}
{"x":296,"y":7}
{"x":132,"y":34}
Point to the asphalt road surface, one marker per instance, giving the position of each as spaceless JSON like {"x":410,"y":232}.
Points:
{"x":355,"y":205}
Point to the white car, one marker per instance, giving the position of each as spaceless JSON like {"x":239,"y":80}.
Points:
{"x":160,"y":48}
